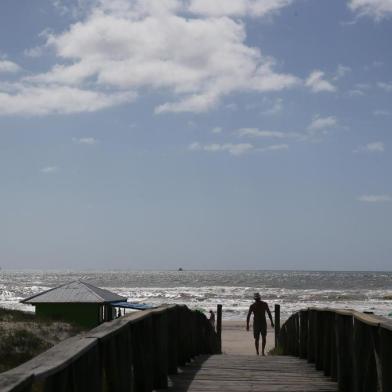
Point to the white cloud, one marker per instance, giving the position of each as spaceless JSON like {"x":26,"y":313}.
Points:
{"x":341,"y":71}
{"x":217,"y":130}
{"x":195,"y":146}
{"x":7,"y":66}
{"x":375,"y":198}
{"x":231,"y":106}
{"x":371,"y":147}
{"x":376,"y":9}
{"x":233,"y":149}
{"x":85,"y":140}
{"x":359,"y":89}
{"x":266,"y":106}
{"x":317,"y":83}
{"x":385,"y":86}
{"x":121,"y":47}
{"x":356,"y":93}
{"x":276,"y":108}
{"x":257,"y":133}
{"x":43,"y":100}
{"x":35,"y":52}
{"x":50,"y":169}
{"x":319,"y":127}
{"x":381,"y":112}
{"x":255,"y":8}
{"x":320,"y":123}
{"x":275,"y":147}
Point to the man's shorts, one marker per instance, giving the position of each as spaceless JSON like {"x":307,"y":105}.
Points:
{"x":259,"y":329}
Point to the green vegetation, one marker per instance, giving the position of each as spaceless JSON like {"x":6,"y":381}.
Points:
{"x":18,"y":346}
{"x":9,"y":315}
{"x":23,"y":336}
{"x":276,"y":351}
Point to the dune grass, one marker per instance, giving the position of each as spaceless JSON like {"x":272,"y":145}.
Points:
{"x":24,"y":336}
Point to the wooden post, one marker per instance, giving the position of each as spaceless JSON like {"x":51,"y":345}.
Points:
{"x":386,"y":356}
{"x":319,"y":347}
{"x":364,"y":362}
{"x":173,"y":340}
{"x":277,"y":324}
{"x":344,"y":344}
{"x":311,"y":335}
{"x":160,"y":340}
{"x":303,"y":333}
{"x":219,"y":327}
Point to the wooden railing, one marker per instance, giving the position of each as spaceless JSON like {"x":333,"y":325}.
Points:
{"x":351,"y":347}
{"x":132,"y":353}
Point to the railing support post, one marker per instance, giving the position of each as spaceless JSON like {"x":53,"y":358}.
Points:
{"x":219,"y":327}
{"x":277,"y":324}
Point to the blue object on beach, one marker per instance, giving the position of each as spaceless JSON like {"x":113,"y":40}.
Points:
{"x":130,"y":305}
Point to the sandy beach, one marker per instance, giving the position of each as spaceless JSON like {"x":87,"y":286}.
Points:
{"x":237,"y":340}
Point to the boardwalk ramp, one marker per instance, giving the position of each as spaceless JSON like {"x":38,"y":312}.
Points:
{"x":245,"y":373}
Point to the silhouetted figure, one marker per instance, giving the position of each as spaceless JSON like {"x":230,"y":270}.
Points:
{"x":259,"y":308}
{"x":212,"y":318}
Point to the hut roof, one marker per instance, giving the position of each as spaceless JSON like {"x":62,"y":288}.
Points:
{"x":74,"y":292}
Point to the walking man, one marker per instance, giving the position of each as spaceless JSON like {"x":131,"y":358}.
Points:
{"x":259,"y":308}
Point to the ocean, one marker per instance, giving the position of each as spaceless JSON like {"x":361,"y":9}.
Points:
{"x":293,"y":290}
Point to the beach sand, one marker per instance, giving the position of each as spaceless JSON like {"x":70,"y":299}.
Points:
{"x":237,"y":340}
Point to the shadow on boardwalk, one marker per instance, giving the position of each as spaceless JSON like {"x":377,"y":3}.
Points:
{"x":250,"y":373}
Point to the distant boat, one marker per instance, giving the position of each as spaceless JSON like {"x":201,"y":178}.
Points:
{"x":180,"y":269}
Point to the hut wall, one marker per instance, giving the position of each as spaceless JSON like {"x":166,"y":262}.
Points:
{"x":86,"y":315}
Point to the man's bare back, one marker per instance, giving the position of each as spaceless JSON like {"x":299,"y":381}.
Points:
{"x":259,"y":308}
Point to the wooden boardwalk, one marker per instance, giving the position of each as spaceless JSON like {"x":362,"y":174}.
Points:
{"x":243,"y":373}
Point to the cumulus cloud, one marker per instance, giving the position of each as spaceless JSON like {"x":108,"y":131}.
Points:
{"x":317,"y":83}
{"x":85,"y":140}
{"x":194,"y":51}
{"x":276,"y":107}
{"x":258,"y":133}
{"x":43,"y":100}
{"x":34,"y":52}
{"x":319,"y":123}
{"x":385,"y":86}
{"x":233,"y":149}
{"x":255,"y":8}
{"x":375,"y":198}
{"x":217,"y":130}
{"x":376,"y":9}
{"x":7,"y":66}
{"x":381,"y":112}
{"x":356,"y":93}
{"x":371,"y":147}
{"x":341,"y":71}
{"x":275,"y":147}
{"x":49,"y":169}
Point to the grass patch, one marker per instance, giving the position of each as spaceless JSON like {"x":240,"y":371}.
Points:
{"x":276,"y":351}
{"x":9,"y":315}
{"x":18,"y":346}
{"x":23,"y":336}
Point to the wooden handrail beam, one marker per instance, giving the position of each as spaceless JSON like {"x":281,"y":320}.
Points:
{"x":137,"y":351}
{"x":353,"y":347}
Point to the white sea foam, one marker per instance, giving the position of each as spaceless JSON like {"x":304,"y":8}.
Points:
{"x":233,"y":289}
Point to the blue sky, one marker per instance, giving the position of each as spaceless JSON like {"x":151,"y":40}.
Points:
{"x":203,"y":134}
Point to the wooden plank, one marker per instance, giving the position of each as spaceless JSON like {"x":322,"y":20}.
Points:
{"x":12,"y":381}
{"x":238,"y":373}
{"x":57,"y":358}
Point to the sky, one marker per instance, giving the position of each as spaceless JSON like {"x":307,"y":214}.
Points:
{"x":202,"y":134}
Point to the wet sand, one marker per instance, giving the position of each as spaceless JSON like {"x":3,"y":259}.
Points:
{"x":237,"y":340}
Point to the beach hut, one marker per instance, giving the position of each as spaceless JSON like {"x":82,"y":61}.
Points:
{"x":78,"y":302}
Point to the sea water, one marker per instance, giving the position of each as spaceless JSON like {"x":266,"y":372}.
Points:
{"x":293,"y":290}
